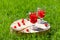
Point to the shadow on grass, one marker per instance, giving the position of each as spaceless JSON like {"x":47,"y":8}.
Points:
{"x":39,"y":33}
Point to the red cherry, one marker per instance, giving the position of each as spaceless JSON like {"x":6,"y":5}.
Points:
{"x":15,"y":27}
{"x":27,"y":30}
{"x":19,"y":24}
{"x":41,"y":13}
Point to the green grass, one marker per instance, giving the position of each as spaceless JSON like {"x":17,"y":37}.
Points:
{"x":11,"y":10}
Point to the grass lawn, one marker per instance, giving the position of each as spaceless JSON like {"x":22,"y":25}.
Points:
{"x":11,"y":10}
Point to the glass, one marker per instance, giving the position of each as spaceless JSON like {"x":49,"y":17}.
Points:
{"x":33,"y":18}
{"x":41,"y":15}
